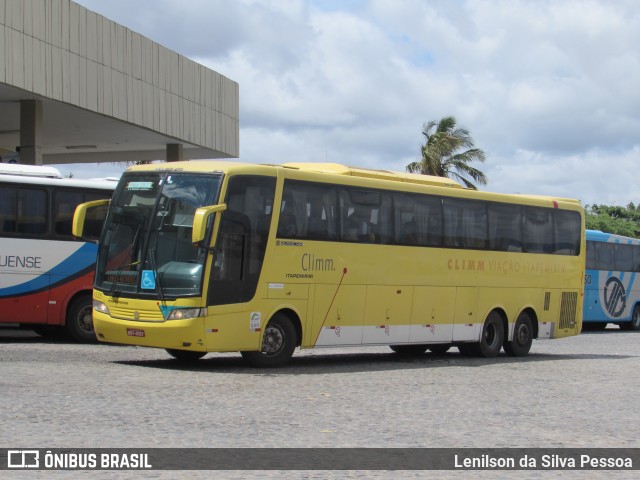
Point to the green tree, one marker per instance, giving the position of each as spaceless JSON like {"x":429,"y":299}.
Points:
{"x":614,"y":219}
{"x":448,"y":152}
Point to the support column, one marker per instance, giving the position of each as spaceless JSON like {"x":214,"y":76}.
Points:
{"x":174,"y":152}
{"x":30,"y":132}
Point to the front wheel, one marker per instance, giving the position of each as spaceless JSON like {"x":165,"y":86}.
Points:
{"x":185,"y":355}
{"x":278,"y":343}
{"x":79,"y":324}
{"x":520,"y":344}
{"x":634,"y":324}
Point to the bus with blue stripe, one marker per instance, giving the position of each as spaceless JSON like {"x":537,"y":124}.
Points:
{"x":46,"y":276}
{"x":612,"y":283}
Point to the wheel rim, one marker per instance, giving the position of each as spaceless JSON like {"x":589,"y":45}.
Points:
{"x":490,"y":335}
{"x":85,"y":320}
{"x":273,"y":341}
{"x":636,"y":317}
{"x":522,"y":334}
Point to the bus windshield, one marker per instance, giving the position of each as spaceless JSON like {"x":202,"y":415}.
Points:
{"x":146,"y":246}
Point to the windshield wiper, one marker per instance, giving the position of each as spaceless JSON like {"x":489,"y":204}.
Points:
{"x":119,"y":270}
{"x":159,"y":287}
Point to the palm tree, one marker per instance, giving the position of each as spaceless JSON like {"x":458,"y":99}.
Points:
{"x":441,"y":155}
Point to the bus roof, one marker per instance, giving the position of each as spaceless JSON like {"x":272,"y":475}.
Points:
{"x":339,"y":169}
{"x":29,"y":170}
{"x":235,"y":167}
{"x":599,"y":236}
{"x":95,"y":184}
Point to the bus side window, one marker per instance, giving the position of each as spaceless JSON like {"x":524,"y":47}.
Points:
{"x":505,"y":228}
{"x":308,"y":211}
{"x":32,"y":211}
{"x":567,"y":227}
{"x":8,"y":208}
{"x":537,"y":230}
{"x":465,"y":224}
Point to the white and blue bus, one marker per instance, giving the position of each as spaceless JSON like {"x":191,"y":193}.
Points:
{"x":46,"y":276}
{"x":612,"y":283}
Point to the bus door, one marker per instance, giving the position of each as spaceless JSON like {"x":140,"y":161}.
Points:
{"x":237,"y":263}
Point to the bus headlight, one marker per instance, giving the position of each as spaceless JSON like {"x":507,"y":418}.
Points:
{"x":100,"y":307}
{"x":185,"y":313}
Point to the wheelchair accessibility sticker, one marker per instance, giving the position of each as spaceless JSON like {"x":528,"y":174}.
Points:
{"x":148,"y":281}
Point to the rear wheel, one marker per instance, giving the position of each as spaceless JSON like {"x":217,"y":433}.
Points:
{"x":408,"y":350}
{"x":634,"y":324}
{"x":79,"y":324}
{"x":185,"y":355}
{"x":520,"y":344}
{"x":278,"y":343}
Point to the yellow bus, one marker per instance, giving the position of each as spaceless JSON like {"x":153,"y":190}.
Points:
{"x":212,"y":256}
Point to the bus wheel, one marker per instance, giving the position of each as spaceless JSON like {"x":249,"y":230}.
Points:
{"x":439,"y":348}
{"x":492,"y":336}
{"x":185,"y":355}
{"x":408,"y":350}
{"x":79,"y":324}
{"x":278,"y":343}
{"x":520,"y":345}
{"x":634,"y":324}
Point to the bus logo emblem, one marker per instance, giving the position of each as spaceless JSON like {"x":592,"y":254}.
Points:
{"x":615,"y":298}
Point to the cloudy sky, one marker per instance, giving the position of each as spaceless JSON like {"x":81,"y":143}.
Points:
{"x":550,"y":90}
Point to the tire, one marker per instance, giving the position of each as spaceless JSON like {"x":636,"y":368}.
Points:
{"x":520,"y":344}
{"x":279,"y":340}
{"x":186,"y":356}
{"x":409,"y":350}
{"x":634,"y":324}
{"x":439,"y":349}
{"x":492,"y":336}
{"x":490,"y":342}
{"x":79,"y":323}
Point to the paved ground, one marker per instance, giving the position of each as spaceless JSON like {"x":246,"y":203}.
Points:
{"x":575,"y":392}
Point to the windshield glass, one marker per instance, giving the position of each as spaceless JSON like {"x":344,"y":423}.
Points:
{"x":146,"y":246}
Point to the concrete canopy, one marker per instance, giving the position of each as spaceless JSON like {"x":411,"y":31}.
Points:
{"x":77,"y":87}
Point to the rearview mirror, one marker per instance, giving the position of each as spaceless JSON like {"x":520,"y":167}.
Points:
{"x":87,"y":212}
{"x":200,"y":219}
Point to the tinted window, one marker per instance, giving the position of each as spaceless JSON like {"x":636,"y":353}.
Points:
{"x":365,"y":216}
{"x":623,"y":258}
{"x":308,"y":211}
{"x":23,"y":210}
{"x":465,"y":224}
{"x":505,"y":228}
{"x":591,"y":255}
{"x":568,"y":228}
{"x":418,"y":220}
{"x":538,"y":230}
{"x":605,"y":253}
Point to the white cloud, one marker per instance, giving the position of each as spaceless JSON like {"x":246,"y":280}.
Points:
{"x":548,"y":89}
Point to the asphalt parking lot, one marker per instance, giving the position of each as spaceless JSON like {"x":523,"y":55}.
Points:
{"x":577,"y":392}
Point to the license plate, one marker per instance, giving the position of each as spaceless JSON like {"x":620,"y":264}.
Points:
{"x":135,"y":332}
